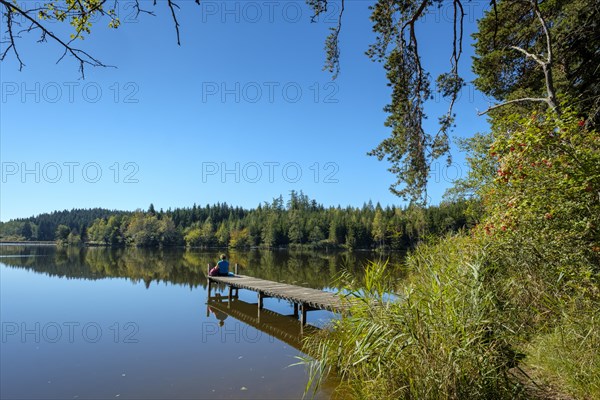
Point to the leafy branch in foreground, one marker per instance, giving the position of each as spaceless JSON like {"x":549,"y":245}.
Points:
{"x":80,"y":14}
{"x":410,"y":149}
{"x":30,"y":17}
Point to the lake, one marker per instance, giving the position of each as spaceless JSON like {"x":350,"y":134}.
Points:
{"x":137,"y":324}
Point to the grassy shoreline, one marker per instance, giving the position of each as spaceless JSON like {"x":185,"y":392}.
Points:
{"x":453,"y":336}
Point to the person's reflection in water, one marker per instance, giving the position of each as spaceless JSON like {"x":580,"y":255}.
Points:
{"x":220,"y":315}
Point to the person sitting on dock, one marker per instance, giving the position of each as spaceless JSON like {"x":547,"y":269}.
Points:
{"x":223,"y":265}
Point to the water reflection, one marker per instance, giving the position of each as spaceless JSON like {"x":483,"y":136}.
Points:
{"x":285,"y":328}
{"x":185,"y":267}
{"x":133,"y":324}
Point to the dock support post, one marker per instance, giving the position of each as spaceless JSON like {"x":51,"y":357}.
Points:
{"x":260,"y":300}
{"x":296,"y":310}
{"x":229,"y":294}
{"x":261,"y":296}
{"x":236,"y":269}
{"x":208,"y":279}
{"x":303,"y":310}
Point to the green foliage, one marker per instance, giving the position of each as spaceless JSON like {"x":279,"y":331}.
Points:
{"x":62,"y":232}
{"x":44,"y":226}
{"x":222,"y":235}
{"x":143,"y":230}
{"x":26,"y":231}
{"x":208,"y":233}
{"x":544,"y":224}
{"x":239,"y":238}
{"x":139,"y":229}
{"x":379,"y":228}
{"x":522,"y":293}
{"x":481,"y":167}
{"x":410,"y":149}
{"x":296,"y":228}
{"x":567,"y":356}
{"x":316,"y":235}
{"x":193,"y":237}
{"x":107,"y":232}
{"x":546,"y":193}
{"x":439,"y":339}
{"x":168,"y":233}
{"x":80,"y":14}
{"x":13,"y":230}
{"x":504,"y":73}
{"x":65,"y":236}
{"x":73,"y":239}
{"x":301,"y":223}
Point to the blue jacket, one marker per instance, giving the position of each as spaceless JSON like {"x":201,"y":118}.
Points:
{"x":223,"y":267}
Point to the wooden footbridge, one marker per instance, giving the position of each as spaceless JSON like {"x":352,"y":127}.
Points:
{"x":304,"y":299}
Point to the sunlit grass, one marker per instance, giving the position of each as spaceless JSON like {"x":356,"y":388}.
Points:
{"x":569,"y":356}
{"x":438,"y":339}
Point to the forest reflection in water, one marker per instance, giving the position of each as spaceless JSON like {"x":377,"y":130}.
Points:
{"x":184,"y":345}
{"x":313,"y":269}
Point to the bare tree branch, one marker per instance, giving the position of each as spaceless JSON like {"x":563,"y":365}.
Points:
{"x":546,"y":67}
{"x":413,"y":41}
{"x":522,"y":100}
{"x":456,"y":54}
{"x":454,"y":59}
{"x":9,"y":22}
{"x":77,"y":12}
{"x":140,"y":10}
{"x":82,"y":56}
{"x":536,"y":9}
{"x":172,"y":6}
{"x":528,"y":54}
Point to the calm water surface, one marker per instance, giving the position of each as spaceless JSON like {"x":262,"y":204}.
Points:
{"x":128,"y":323}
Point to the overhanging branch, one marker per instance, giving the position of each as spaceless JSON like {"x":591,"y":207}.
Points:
{"x":546,"y":65}
{"x":522,"y":100}
{"x":12,"y":45}
{"x":74,"y":12}
{"x":528,"y":54}
{"x":82,"y":56}
{"x":172,"y":6}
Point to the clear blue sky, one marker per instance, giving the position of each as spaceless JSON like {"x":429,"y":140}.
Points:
{"x":240,"y":113}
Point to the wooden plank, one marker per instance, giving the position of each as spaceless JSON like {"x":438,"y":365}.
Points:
{"x":307,"y":298}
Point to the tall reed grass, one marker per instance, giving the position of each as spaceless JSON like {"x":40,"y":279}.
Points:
{"x":438,"y":339}
{"x":465,"y":325}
